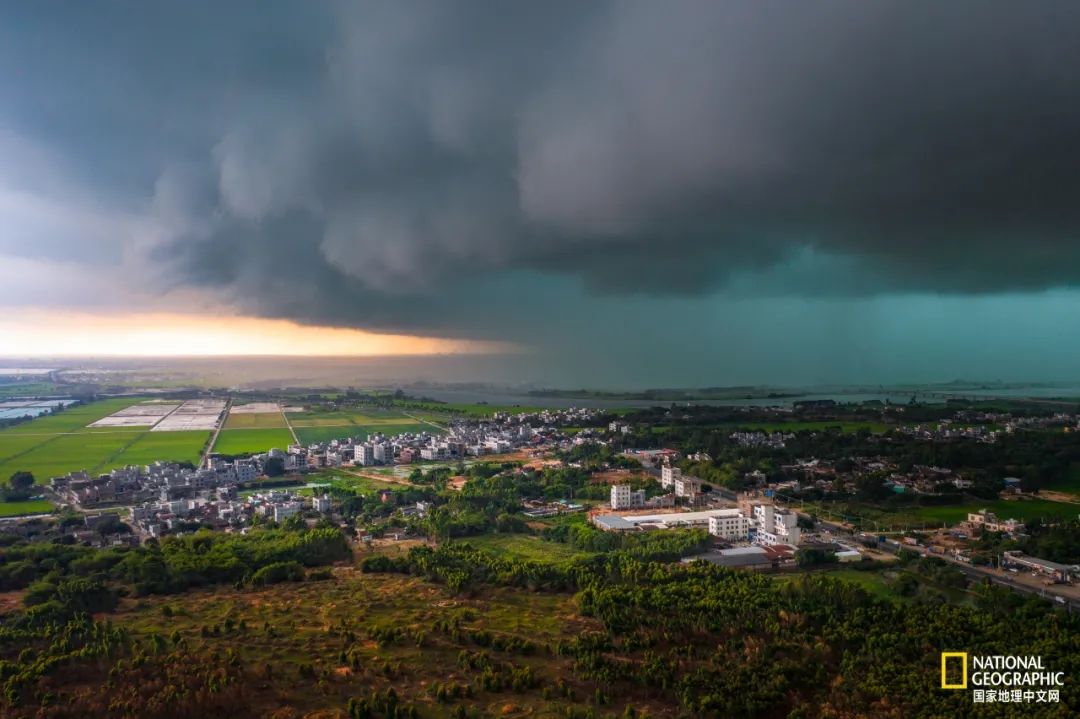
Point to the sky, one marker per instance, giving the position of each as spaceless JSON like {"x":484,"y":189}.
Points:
{"x":611,"y":193}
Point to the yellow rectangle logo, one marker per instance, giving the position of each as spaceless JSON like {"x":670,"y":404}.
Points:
{"x":944,"y":675}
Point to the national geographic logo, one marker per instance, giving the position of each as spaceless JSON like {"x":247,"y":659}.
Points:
{"x":1001,"y":678}
{"x":945,"y":657}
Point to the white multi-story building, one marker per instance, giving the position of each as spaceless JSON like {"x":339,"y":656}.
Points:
{"x":286,"y":510}
{"x":668,"y":476}
{"x":140,"y":513}
{"x":246,"y":471}
{"x":688,"y":487}
{"x":379,"y":451}
{"x":321,"y":504}
{"x":730,"y":524}
{"x":990,"y":522}
{"x":497,"y":446}
{"x":364,"y":455}
{"x":776,"y":526}
{"x":296,"y":461}
{"x":179,"y":507}
{"x":622,"y":497}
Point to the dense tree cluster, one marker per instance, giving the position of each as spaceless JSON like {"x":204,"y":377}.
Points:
{"x":655,"y":546}
{"x":174,"y":563}
{"x":491,"y":498}
{"x":65,"y":584}
{"x":725,"y":643}
{"x":593,"y":456}
{"x":18,"y":488}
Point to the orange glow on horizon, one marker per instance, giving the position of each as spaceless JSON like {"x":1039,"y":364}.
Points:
{"x":53,"y":333}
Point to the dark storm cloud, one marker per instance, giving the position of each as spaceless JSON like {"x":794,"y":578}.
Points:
{"x":384,"y":164}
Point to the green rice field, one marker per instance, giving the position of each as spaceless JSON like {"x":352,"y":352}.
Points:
{"x":1022,"y":510}
{"x":54,"y":445}
{"x":33,"y":506}
{"x":367,"y":417}
{"x":308,"y":435}
{"x":102,"y":451}
{"x":251,"y":441}
{"x":74,"y":418}
{"x":255,"y":420}
{"x":184,"y":446}
{"x":26,"y":389}
{"x":872,"y":517}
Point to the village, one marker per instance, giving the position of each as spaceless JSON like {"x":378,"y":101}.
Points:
{"x":165,"y":497}
{"x":764,"y":521}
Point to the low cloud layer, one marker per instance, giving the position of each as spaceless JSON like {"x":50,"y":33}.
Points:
{"x":390,"y":165}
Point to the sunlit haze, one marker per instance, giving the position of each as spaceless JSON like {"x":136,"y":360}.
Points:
{"x":81,"y":334}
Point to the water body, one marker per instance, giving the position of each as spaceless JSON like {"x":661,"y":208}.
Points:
{"x":30,"y":408}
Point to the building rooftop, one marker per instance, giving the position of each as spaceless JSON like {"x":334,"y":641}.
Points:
{"x":737,"y":557}
{"x":674,"y":518}
{"x":737,"y":551}
{"x":1035,"y":561}
{"x":611,"y":521}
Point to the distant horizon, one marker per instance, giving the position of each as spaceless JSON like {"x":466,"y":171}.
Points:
{"x":426,"y":374}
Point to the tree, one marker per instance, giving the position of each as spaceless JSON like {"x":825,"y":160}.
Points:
{"x":18,"y":487}
{"x":21,"y":481}
{"x":810,"y":557}
{"x":871,"y":486}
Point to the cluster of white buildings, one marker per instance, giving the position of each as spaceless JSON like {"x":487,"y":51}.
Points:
{"x":947,"y":431}
{"x":775,"y":525}
{"x":376,"y":449}
{"x":985,"y":521}
{"x":222,"y":510}
{"x":163,"y":496}
{"x":763,"y":524}
{"x":679,"y":486}
{"x":770,"y":440}
{"x":161,"y":481}
{"x":464,"y":438}
{"x":555,"y":417}
{"x":505,"y":432}
{"x":623,"y":497}
{"x":166,"y":481}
